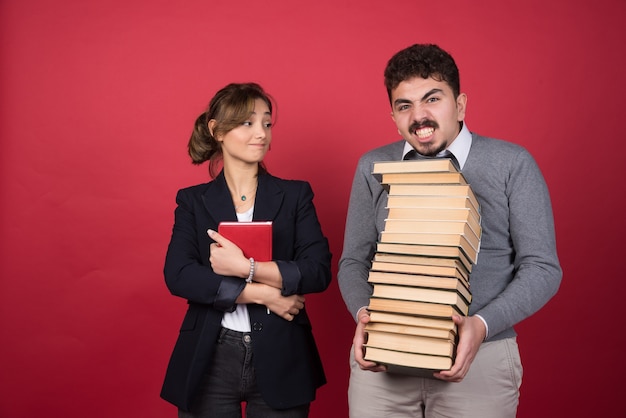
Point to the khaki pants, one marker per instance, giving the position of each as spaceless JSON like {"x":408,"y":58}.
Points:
{"x":490,"y":389}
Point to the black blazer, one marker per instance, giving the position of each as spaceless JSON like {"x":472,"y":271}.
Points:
{"x":287,"y":363}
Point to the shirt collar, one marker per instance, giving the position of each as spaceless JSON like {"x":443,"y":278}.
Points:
{"x":460,"y":147}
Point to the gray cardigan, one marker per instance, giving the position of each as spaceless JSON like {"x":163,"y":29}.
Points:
{"x":517,"y":270}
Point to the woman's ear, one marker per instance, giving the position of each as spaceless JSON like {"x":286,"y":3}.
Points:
{"x":211,"y":126}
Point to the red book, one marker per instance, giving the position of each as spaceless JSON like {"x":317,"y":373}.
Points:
{"x":254,"y":238}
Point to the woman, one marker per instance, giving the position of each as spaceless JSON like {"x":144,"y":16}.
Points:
{"x":246,"y":336}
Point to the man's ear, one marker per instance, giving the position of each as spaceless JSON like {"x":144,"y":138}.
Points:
{"x":461,"y":103}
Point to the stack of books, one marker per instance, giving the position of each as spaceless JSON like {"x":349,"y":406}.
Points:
{"x":421,"y":269}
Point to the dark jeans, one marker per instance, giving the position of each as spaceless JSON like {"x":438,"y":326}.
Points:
{"x":231,"y":381}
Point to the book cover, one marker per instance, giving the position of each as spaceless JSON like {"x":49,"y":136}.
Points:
{"x":405,"y":200}
{"x":435,"y":214}
{"x":424,"y":178}
{"x":440,"y":213}
{"x":423,"y":260}
{"x":425,"y":250}
{"x":408,"y":363}
{"x":418,"y":269}
{"x":449,"y":240}
{"x":421,"y":294}
{"x":410,"y":343}
{"x":421,"y":281}
{"x":410,"y":307}
{"x":435,"y":227}
{"x":444,"y":334}
{"x":412,"y":166}
{"x":433,"y":190}
{"x":254,"y":238}
{"x":413,"y":320}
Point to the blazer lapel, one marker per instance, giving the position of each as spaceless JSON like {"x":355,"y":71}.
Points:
{"x":217,"y":200}
{"x":269,"y":199}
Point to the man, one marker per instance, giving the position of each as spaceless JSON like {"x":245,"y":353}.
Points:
{"x":517,"y":270}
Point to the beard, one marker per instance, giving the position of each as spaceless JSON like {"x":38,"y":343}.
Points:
{"x":430,"y":149}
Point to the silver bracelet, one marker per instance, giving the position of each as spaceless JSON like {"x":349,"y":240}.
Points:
{"x":252,"y":267}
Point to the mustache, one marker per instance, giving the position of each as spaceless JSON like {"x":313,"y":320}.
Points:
{"x":427,"y":123}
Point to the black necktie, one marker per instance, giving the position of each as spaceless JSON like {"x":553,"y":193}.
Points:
{"x":414,"y":155}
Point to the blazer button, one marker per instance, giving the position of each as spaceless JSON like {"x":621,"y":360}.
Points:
{"x":257,"y":326}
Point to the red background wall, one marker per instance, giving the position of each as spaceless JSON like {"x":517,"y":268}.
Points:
{"x":97,"y":102}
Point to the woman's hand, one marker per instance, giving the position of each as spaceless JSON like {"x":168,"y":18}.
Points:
{"x":226,"y":258}
{"x":286,"y":307}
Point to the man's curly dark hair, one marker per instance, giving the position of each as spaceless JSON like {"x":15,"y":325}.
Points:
{"x":422,"y":60}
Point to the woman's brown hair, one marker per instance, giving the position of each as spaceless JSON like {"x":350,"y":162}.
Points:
{"x":229,"y":108}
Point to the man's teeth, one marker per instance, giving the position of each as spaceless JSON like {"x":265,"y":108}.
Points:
{"x":424,"y":132}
